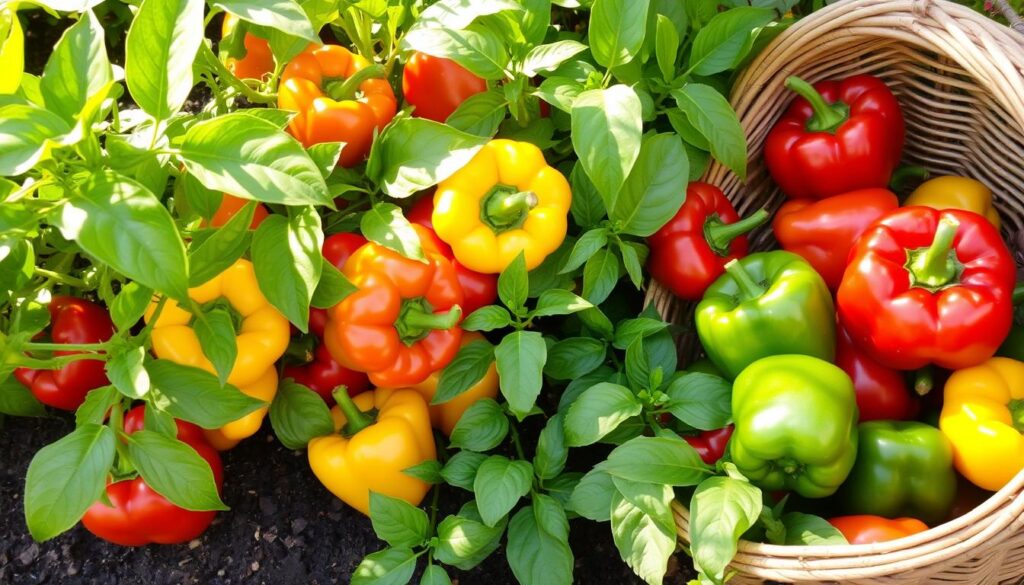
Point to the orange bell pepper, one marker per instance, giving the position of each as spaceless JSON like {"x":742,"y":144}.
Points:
{"x":866,"y":529}
{"x":258,"y":60}
{"x":230,"y":206}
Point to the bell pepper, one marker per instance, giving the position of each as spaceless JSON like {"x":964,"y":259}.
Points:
{"x":796,"y":425}
{"x":838,"y":136}
{"x":230,"y":206}
{"x":956,"y":193}
{"x":336,"y":116}
{"x":478,"y":290}
{"x":983,"y":417}
{"x":401,"y":325}
{"x":711,"y":445}
{"x":506,"y":200}
{"x":926,"y":286}
{"x":882,"y":392}
{"x":261,"y":338}
{"x":690,"y":251}
{"x":872,"y":529}
{"x":435,"y":86}
{"x":823,"y":232}
{"x":140,"y":516}
{"x":902,"y":469}
{"x":72,"y":320}
{"x":444,"y":416}
{"x":258,"y":60}
{"x":370,"y":452}
{"x":769,"y":303}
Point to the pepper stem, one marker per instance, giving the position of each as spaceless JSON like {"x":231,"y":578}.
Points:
{"x":355,"y":419}
{"x":341,"y":90}
{"x":924,"y":380}
{"x":416,"y":320}
{"x":902,"y":176}
{"x":720,"y":235}
{"x":1016,"y":407}
{"x":505,"y":207}
{"x":935,"y":266}
{"x":827,"y":117}
{"x":749,"y":289}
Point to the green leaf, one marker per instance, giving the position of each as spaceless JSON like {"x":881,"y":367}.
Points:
{"x":130,"y":304}
{"x":398,"y":522}
{"x":655,"y":188}
{"x":588,"y":245}
{"x":385,"y":224}
{"x":17,"y":265}
{"x":458,"y":14}
{"x":480,"y":114}
{"x":174,"y":470}
{"x":711,"y":113}
{"x":520,"y":358}
{"x":630,"y":330}
{"x":279,"y":118}
{"x":560,"y":92}
{"x":121,"y":223}
{"x":558,"y":301}
{"x":552,"y":452}
{"x":721,"y":510}
{"x":600,"y":275}
{"x":538,"y":544}
{"x":332,"y":288}
{"x":77,"y":68}
{"x":216,"y":333}
{"x":460,"y":470}
{"x":487,"y":318}
{"x":573,"y":357}
{"x":481,"y":428}
{"x":665,"y":460}
{"x":464,"y":541}
{"x":499,"y":485}
{"x":435,"y":575}
{"x":655,"y":500}
{"x":599,"y":411}
{"x":666,"y":47}
{"x":284,"y":15}
{"x":638,"y":366}
{"x":587,"y":206}
{"x":477,"y":48}
{"x":287,"y":259}
{"x":26,"y":133}
{"x":325,"y":156}
{"x":514,"y":285}
{"x":617,"y":30}
{"x":96,"y":405}
{"x":414,"y":154}
{"x":161,"y":46}
{"x":16,"y":400}
{"x":606,"y":132}
{"x":12,"y":51}
{"x":252,"y":158}
{"x":630,"y":252}
{"x":127,"y":373}
{"x":223,"y":248}
{"x":200,"y":199}
{"x":810,"y":530}
{"x":592,"y":497}
{"x":65,"y":478}
{"x":159,"y":421}
{"x":701,"y":400}
{"x":549,"y":57}
{"x":462,"y":373}
{"x":428,"y":471}
{"x":723,"y":43}
{"x":299,"y":415}
{"x":197,"y":396}
{"x":643,"y":542}
{"x":391,"y":566}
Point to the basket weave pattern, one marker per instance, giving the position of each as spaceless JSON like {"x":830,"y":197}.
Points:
{"x":960,"y":79}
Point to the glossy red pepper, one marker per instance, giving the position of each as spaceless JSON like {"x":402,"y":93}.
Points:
{"x":72,"y":320}
{"x":478,"y":289}
{"x":690,"y":251}
{"x":839,"y":136}
{"x":710,"y":445}
{"x":882,"y":392}
{"x":436,"y":86}
{"x":823,"y":232}
{"x":866,"y":529}
{"x":927,"y":286}
{"x":141,"y":516}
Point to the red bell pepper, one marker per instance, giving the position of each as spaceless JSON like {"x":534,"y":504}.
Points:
{"x":479,"y":290}
{"x":837,"y":137}
{"x":823,"y":232}
{"x":141,"y":516}
{"x":881,"y":392}
{"x":436,"y":86}
{"x":690,"y":251}
{"x":927,"y":286}
{"x":866,"y":529}
{"x":72,"y":320}
{"x":711,"y":445}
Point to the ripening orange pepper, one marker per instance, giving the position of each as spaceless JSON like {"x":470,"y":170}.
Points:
{"x":258,"y":60}
{"x":866,"y":529}
{"x":321,"y":84}
{"x":230,"y":206}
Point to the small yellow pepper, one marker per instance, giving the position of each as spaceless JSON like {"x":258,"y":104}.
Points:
{"x":506,"y":200}
{"x":371,"y":454}
{"x":955,"y":193}
{"x":262,"y":338}
{"x":983,"y":417}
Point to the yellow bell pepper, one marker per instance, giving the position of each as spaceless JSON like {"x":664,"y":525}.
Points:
{"x":506,"y":200}
{"x":955,"y":193}
{"x":444,"y":416}
{"x":370,"y":455}
{"x":262,"y":338}
{"x":230,"y":434}
{"x":983,"y":417}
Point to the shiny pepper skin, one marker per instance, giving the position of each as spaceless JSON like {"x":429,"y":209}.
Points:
{"x":866,"y":529}
{"x":139,"y":515}
{"x":956,"y":193}
{"x":882,"y":392}
{"x":72,"y":320}
{"x":436,"y":86}
{"x":258,"y":60}
{"x":711,"y":445}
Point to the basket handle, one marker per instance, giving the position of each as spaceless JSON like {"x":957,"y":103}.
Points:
{"x":1015,"y":20}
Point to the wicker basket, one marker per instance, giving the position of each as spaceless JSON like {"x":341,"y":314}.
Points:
{"x":960,"y":80}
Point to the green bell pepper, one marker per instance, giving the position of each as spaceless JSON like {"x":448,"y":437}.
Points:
{"x":902,"y":469}
{"x":796,"y":425}
{"x":770,"y":303}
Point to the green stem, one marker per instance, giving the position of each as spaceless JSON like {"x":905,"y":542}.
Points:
{"x":61,"y":278}
{"x":505,"y":207}
{"x":906,"y":173}
{"x":936,"y":265}
{"x":54,"y":363}
{"x":355,"y":419}
{"x":924,"y":380}
{"x":44,"y":346}
{"x":416,"y":320}
{"x":226,"y":75}
{"x":827,"y":117}
{"x":346,"y":90}
{"x":1016,"y":407}
{"x":749,"y":289}
{"x":720,"y":235}
{"x":516,"y":442}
